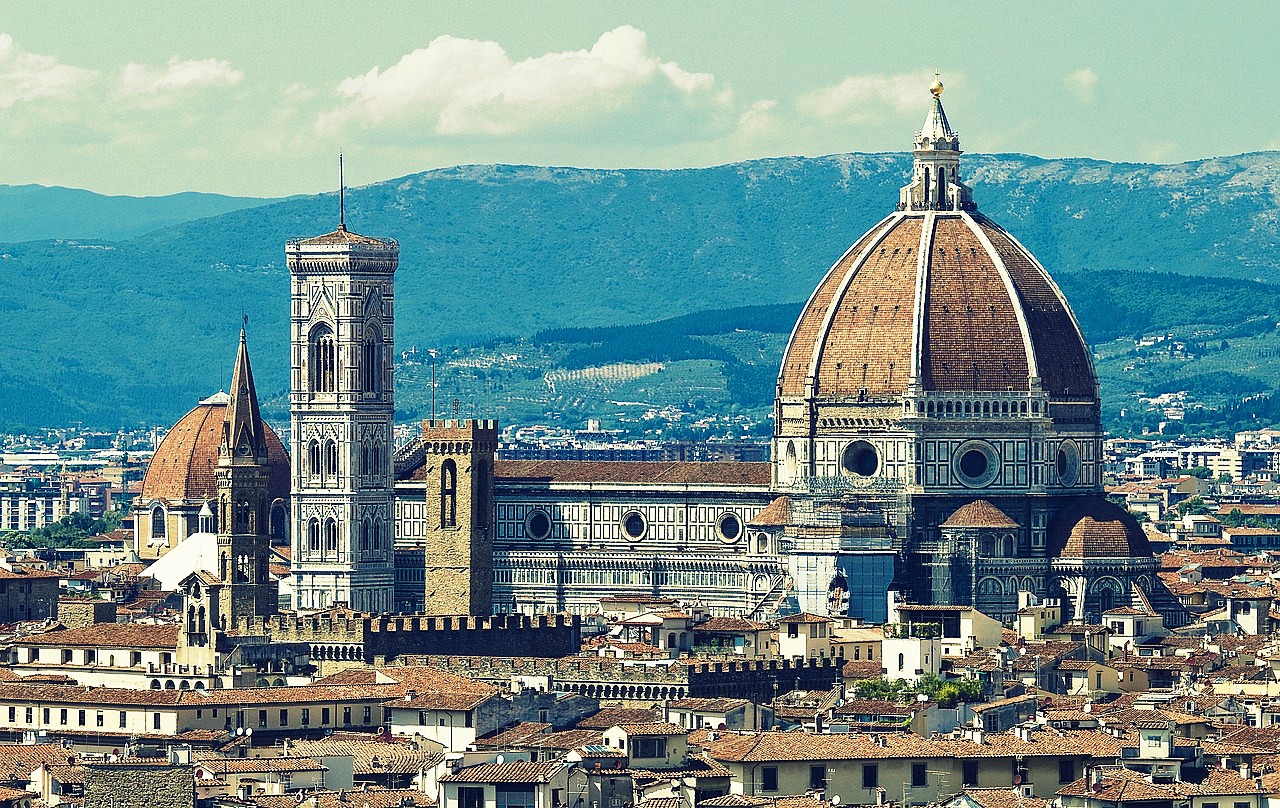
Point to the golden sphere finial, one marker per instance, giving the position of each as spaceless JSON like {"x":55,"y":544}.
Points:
{"x":936,"y":87}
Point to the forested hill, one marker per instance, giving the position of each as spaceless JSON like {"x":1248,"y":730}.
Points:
{"x":135,"y":330}
{"x":29,"y":212}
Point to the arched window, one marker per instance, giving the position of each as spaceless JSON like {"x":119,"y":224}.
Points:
{"x":331,"y":536}
{"x":157,"y":522}
{"x":902,"y":662}
{"x":278,"y":522}
{"x":1008,"y":547}
{"x":480,"y":476}
{"x":323,"y":360}
{"x":313,"y":455}
{"x":377,"y":533}
{"x":313,"y":535}
{"x":191,"y":619}
{"x":364,"y":535}
{"x":449,"y":494}
{"x":375,"y":460}
{"x":330,"y":460}
{"x":366,"y":467}
{"x":371,"y":362}
{"x":200,"y":618}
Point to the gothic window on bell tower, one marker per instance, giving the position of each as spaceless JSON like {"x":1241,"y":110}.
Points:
{"x":449,"y":494}
{"x":323,"y":360}
{"x":371,"y":363}
{"x":313,"y":535}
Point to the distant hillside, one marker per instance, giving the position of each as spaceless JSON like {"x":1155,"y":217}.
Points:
{"x":30,"y":212}
{"x":134,"y":330}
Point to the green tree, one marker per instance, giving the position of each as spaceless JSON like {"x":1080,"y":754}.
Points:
{"x":1200,"y":472}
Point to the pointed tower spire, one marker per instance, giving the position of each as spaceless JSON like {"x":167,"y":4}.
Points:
{"x":935,"y":177}
{"x":242,"y":431}
{"x":342,"y":196}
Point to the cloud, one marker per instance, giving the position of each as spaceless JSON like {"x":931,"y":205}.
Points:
{"x":867,"y":98}
{"x":1083,"y":84}
{"x":28,"y":76}
{"x":462,"y":86}
{"x":145,"y":80}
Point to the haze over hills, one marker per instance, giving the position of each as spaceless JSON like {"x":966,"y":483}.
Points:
{"x":30,"y":212}
{"x":134,"y":329}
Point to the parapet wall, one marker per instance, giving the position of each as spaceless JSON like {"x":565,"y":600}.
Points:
{"x":390,"y":638}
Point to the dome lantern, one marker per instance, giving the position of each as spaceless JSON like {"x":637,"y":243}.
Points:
{"x":935,"y":176}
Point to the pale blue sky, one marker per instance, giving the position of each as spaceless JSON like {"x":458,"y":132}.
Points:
{"x":256,"y":98}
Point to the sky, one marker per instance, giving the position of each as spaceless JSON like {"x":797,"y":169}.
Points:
{"x":257,"y":98}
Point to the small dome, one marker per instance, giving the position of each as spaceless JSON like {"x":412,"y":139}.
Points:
{"x":980,"y":513}
{"x":1092,"y":527}
{"x":183,"y":467}
{"x":978,"y":314}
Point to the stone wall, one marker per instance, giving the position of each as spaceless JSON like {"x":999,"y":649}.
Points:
{"x":81,"y":612}
{"x":121,"y":785}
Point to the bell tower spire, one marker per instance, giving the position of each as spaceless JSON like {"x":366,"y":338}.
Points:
{"x":935,"y":176}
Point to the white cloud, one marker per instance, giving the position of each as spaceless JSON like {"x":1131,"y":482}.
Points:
{"x":146,"y":80}
{"x":1083,"y":84}
{"x":466,"y":86}
{"x":867,"y":98}
{"x":27,"y":76}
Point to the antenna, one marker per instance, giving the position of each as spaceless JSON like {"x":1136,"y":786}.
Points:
{"x":342,"y":196}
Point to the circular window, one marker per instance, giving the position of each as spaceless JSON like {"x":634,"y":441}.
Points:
{"x":537,"y":525}
{"x":860,"y":458}
{"x":730,"y":528}
{"x":634,"y":525}
{"x":1068,"y":463}
{"x":975,"y":463}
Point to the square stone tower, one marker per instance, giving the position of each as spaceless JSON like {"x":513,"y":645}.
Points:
{"x":341,"y":406}
{"x":446,"y":520}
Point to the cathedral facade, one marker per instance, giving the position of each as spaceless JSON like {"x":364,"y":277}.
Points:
{"x":937,"y":441}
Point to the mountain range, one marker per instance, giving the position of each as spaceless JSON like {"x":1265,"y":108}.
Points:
{"x":130,"y":323}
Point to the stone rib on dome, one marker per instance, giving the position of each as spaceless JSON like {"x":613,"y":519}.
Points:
{"x":990,"y":318}
{"x":979,"y":513}
{"x":1092,"y":527}
{"x":183,"y":467}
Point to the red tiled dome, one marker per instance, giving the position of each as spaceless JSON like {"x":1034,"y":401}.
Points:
{"x":1092,"y":527}
{"x":183,"y":466}
{"x":978,"y":314}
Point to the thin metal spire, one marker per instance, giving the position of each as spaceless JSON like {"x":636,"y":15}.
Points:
{"x":342,"y":196}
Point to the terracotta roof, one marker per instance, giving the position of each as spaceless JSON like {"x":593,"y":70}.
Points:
{"x":857,"y":330}
{"x":1092,"y":527}
{"x":653,"y":472}
{"x":1126,"y":785}
{"x":1003,"y":798}
{"x":784,"y":746}
{"x":18,"y":761}
{"x":519,"y":771}
{"x":804,"y":617}
{"x":363,"y":798}
{"x":343,"y":236}
{"x":775,"y":514}
{"x":393,"y":756}
{"x":979,"y":513}
{"x":109,"y":635}
{"x":721,"y":705}
{"x":183,"y":466}
{"x":20,"y":573}
{"x":653,"y":728}
{"x":730,"y":624}
{"x":614,"y":716}
{"x":291,"y":763}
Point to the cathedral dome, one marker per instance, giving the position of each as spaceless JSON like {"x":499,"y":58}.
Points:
{"x":936,"y":298}
{"x":183,"y":466}
{"x":1092,"y":527}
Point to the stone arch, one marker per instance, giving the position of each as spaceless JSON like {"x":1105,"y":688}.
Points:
{"x":155,"y":685}
{"x":169,"y":685}
{"x":184,"y":685}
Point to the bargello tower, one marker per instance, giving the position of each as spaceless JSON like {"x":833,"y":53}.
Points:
{"x":341,"y":407}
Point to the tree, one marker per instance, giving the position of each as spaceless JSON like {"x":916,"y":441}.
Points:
{"x":1225,"y":477}
{"x":1200,"y":472}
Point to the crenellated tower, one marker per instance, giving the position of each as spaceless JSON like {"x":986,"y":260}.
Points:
{"x":243,"y":475}
{"x":341,"y":404}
